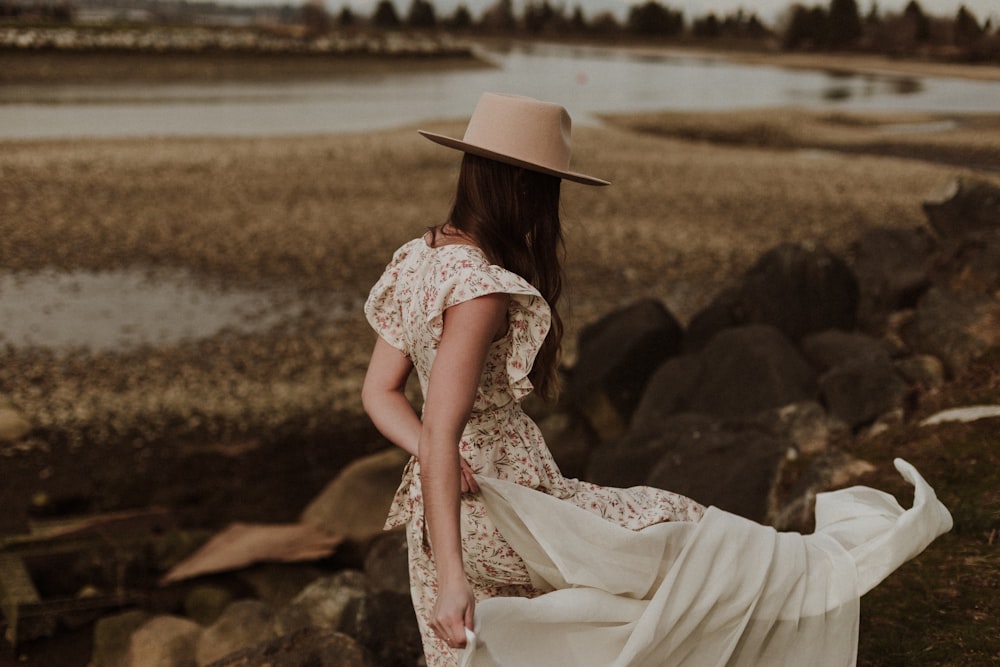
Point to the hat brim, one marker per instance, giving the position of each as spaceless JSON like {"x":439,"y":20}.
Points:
{"x":457,"y":144}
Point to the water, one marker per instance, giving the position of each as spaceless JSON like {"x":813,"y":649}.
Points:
{"x":586,"y":80}
{"x":126,"y":309}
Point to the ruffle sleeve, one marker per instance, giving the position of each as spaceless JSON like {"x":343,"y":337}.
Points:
{"x":382,"y":308}
{"x":467,"y":275}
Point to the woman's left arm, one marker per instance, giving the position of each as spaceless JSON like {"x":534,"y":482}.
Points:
{"x":469,"y":330}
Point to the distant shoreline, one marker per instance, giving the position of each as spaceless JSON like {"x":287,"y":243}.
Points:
{"x":83,"y":66}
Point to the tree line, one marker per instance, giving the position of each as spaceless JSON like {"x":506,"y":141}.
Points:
{"x":838,"y":25}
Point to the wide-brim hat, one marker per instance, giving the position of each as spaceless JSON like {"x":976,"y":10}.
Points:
{"x":521,"y":131}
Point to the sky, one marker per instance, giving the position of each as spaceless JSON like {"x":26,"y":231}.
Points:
{"x":767,"y":10}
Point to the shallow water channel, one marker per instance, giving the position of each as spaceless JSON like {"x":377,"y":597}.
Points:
{"x":130,"y":308}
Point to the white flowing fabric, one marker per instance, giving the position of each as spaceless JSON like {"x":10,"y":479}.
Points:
{"x":722,"y":591}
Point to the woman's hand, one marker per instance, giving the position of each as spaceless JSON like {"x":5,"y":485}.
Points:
{"x":469,"y":484}
{"x":454,"y":612}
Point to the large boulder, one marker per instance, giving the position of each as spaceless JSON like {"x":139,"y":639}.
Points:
{"x":356,"y":502}
{"x":323,"y":603}
{"x":965,"y":205}
{"x":386,"y":562}
{"x":749,"y":369}
{"x":112,"y":635}
{"x":860,"y":391}
{"x":732,"y":466}
{"x":799,"y":289}
{"x":615,"y":358}
{"x":164,"y":641}
{"x":955,"y":326}
{"x":384,"y":623}
{"x":628,"y":460}
{"x":828,"y":349}
{"x":244,"y":623}
{"x":891,"y":266}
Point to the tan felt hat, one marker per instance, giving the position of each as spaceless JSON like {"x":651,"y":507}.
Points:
{"x":520,"y":131}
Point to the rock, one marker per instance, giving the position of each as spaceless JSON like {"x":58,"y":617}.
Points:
{"x":278,"y":584}
{"x":386,"y":563}
{"x":384,"y":623}
{"x":749,"y":369}
{"x":955,"y":326}
{"x":970,"y":263}
{"x":719,"y":314}
{"x":965,"y":205}
{"x":244,"y":623}
{"x":570,"y":440}
{"x":891,"y":268}
{"x":793,"y":503}
{"x":112,"y":635}
{"x":164,"y":641}
{"x":309,"y":647}
{"x":627,"y":461}
{"x":13,"y":425}
{"x":204,"y":604}
{"x":859,"y":392}
{"x":667,"y":391}
{"x":828,"y":349}
{"x":805,"y":425}
{"x":322,"y":603}
{"x":921,"y":370}
{"x":357,"y":501}
{"x":730,"y":466}
{"x":799,"y":289}
{"x":616,"y":356}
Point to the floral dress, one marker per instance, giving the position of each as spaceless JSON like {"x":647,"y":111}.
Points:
{"x":405,"y":307}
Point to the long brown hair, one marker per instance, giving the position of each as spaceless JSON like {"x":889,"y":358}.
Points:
{"x":512,"y":213}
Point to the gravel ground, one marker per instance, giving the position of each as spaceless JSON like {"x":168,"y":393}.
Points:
{"x":249,"y":424}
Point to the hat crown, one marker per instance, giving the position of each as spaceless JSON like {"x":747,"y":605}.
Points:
{"x":522,"y":128}
{"x":520,"y":131}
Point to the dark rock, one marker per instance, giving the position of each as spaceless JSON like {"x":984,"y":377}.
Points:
{"x":386,"y":563}
{"x":799,"y":289}
{"x":667,"y":391}
{"x":627,"y":461}
{"x":309,"y":647}
{"x":955,"y":326}
{"x":243,"y":624}
{"x":323,"y":603}
{"x":719,"y":314}
{"x":750,"y":369}
{"x":921,"y":370}
{"x":112,"y":635}
{"x":861,"y":391}
{"x":891,"y":266}
{"x":570,"y":439}
{"x":729,"y":466}
{"x":806,"y":426}
{"x":616,"y":355}
{"x":965,"y":205}
{"x":384,"y":623}
{"x":828,"y":349}
{"x":205,"y":604}
{"x":970,"y":263}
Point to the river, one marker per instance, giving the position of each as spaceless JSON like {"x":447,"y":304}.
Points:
{"x":587,"y":80}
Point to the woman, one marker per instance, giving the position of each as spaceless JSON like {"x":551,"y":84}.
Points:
{"x":472,"y":307}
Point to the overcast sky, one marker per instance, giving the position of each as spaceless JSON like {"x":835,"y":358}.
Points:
{"x":767,"y":10}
